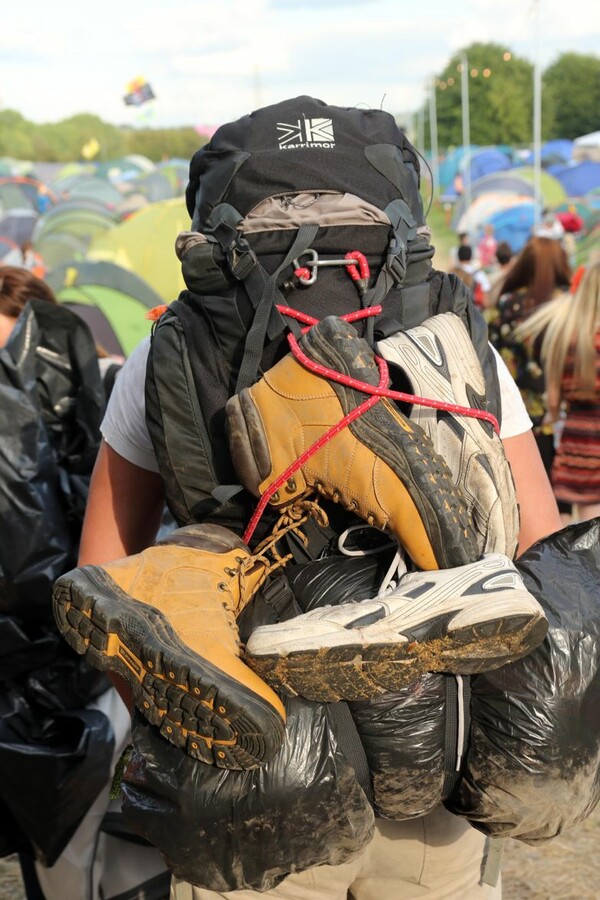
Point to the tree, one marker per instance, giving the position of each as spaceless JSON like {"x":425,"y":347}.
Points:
{"x":16,"y":135}
{"x":500,"y":88}
{"x":573,"y":84}
{"x":161,"y":143}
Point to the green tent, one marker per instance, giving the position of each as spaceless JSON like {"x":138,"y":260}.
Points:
{"x":145,"y":244}
{"x":113,"y":301}
{"x":66,"y":230}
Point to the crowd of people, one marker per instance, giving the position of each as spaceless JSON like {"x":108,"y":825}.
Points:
{"x":124,"y":599}
{"x":543,"y":322}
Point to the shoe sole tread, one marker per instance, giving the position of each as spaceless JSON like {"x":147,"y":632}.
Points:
{"x":174,"y":688}
{"x":356,"y":672}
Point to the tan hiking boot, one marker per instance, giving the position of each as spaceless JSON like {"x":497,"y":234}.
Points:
{"x":381,"y":466}
{"x":164,"y":620}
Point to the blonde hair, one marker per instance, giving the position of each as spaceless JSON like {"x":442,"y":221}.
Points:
{"x":568,"y":320}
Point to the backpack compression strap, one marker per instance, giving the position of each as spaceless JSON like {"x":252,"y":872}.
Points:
{"x":260,"y":286}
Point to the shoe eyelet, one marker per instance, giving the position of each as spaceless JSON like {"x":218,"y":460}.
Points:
{"x":370,"y":518}
{"x":274,"y":497}
{"x":229,"y":571}
{"x":239,"y":560}
{"x":291,"y":485}
{"x":336,"y":496}
{"x":221,"y":586}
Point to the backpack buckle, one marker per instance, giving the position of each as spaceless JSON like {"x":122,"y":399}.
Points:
{"x":241,"y":259}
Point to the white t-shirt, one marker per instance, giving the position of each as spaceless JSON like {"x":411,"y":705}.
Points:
{"x":124,"y":425}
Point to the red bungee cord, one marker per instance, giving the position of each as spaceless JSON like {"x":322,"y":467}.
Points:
{"x":358,"y":274}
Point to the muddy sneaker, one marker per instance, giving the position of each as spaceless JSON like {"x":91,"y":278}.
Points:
{"x":464,"y":620}
{"x":381,"y":466}
{"x":440,"y":362}
{"x":164,"y":620}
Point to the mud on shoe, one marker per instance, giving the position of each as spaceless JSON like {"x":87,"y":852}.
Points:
{"x":465,"y":620}
{"x":381,"y":466}
{"x":164,"y":620}
{"x":440,"y":362}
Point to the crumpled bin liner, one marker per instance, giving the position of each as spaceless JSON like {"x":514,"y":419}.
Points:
{"x":533,"y":766}
{"x":228,"y":830}
{"x":54,"y":766}
{"x":403,"y":733}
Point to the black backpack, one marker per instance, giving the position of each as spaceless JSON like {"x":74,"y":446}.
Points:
{"x":277,"y":200}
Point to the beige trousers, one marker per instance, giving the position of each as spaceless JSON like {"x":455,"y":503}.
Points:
{"x":438,"y":857}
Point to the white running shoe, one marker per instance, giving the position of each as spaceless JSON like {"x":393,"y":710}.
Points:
{"x":440,"y":363}
{"x":469,"y":619}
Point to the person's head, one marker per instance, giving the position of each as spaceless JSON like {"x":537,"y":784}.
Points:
{"x":571,"y":321}
{"x":463,"y":238}
{"x":541,"y":267}
{"x":586,"y":299}
{"x":17,"y":287}
{"x":504,"y":253}
{"x":465,"y":253}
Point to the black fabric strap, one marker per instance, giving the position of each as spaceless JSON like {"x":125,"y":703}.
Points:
{"x":351,"y":746}
{"x":255,"y":340}
{"x":457,"y":709}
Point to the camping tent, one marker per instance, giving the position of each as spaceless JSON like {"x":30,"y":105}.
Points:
{"x":64,"y":233}
{"x":483,"y":162}
{"x":145,"y":244}
{"x":579,"y":179}
{"x":20,"y":192}
{"x":18,"y":224}
{"x":587,"y":147}
{"x":514,"y":224}
{"x":10,"y":253}
{"x":113,"y":302}
{"x":478,"y":213}
{"x":519,"y":180}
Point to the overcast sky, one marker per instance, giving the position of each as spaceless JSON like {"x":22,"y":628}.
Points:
{"x":210,"y":61}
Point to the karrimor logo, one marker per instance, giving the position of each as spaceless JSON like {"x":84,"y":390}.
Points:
{"x":306,"y":133}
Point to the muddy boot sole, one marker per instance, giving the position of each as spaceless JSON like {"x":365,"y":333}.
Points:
{"x":359,"y":672}
{"x":196,"y":706}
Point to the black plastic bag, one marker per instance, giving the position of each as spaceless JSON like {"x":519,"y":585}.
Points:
{"x":229,"y":830}
{"x":52,"y":400}
{"x":404,"y":733}
{"x":533,"y":765}
{"x":53,"y":767}
{"x":36,"y":661}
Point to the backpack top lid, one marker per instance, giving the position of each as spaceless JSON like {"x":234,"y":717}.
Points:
{"x":303,"y":144}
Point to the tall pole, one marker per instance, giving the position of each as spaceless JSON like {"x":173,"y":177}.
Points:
{"x":466,"y":128}
{"x":537,"y":123}
{"x":421,"y":129}
{"x":435,"y":159}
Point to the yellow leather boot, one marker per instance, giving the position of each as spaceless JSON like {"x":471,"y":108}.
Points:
{"x":381,"y":466}
{"x":164,"y":620}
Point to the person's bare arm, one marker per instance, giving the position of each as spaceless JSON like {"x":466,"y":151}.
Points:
{"x":539,"y":512}
{"x":123,"y":511}
{"x":122,"y":517}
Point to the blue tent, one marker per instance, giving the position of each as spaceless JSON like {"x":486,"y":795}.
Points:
{"x":514,"y":224}
{"x":553,"y":153}
{"x":485,"y":162}
{"x":580,"y":179}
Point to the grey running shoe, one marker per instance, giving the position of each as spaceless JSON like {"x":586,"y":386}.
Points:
{"x":440,"y":362}
{"x":470,"y":619}
{"x":381,"y":466}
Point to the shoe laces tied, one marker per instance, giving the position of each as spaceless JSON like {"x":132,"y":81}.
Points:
{"x":267,"y":552}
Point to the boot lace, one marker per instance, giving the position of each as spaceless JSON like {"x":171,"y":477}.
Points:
{"x":267,"y":553}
